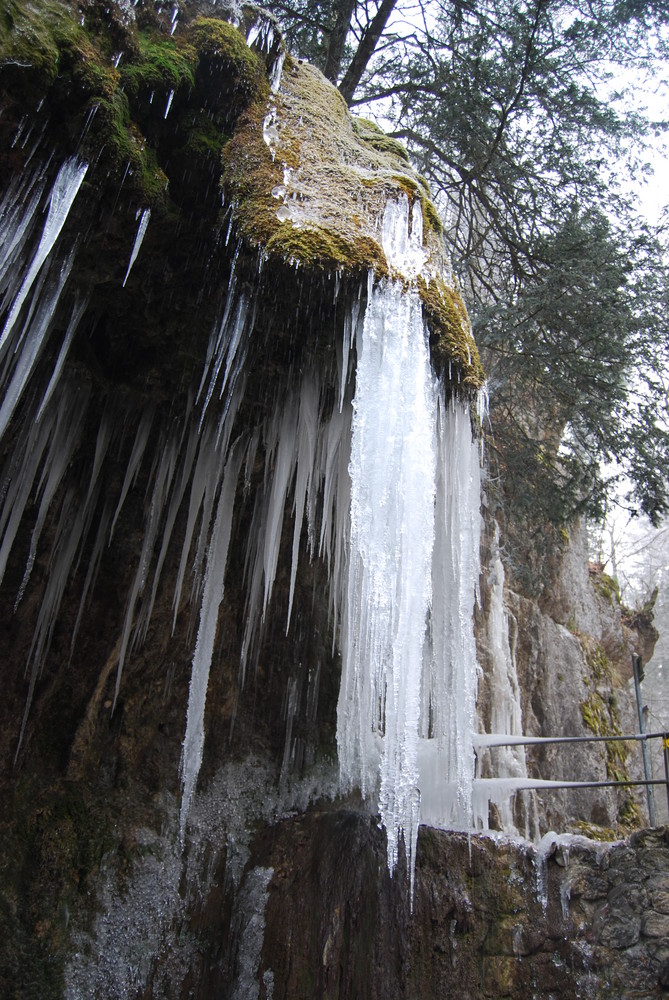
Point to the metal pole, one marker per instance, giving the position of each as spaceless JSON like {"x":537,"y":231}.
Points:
{"x":637,"y":670}
{"x":665,"y":747}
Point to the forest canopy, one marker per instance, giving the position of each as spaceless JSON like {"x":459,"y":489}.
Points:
{"x":527,"y":118}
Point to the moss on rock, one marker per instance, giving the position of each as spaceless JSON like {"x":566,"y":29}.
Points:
{"x":309,"y":184}
{"x":451,"y":333}
{"x":162,"y":66}
{"x":308,"y":181}
{"x":375,"y":137}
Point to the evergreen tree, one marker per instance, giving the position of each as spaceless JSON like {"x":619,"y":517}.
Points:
{"x":517,"y":115}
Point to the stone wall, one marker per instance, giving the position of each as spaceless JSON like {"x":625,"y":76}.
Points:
{"x":490,"y":919}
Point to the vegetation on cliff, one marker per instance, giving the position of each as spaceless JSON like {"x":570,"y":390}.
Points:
{"x":534,"y":155}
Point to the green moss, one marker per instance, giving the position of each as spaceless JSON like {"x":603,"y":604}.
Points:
{"x":602,"y":719}
{"x":320,"y":248}
{"x":431,"y":217}
{"x":44,"y":41}
{"x":630,"y":816}
{"x":375,"y":137}
{"x":223,"y":55}
{"x":599,"y":663}
{"x":127,"y":151}
{"x":594,"y":832}
{"x":27,"y":36}
{"x":162,"y":66}
{"x":335,"y":175}
{"x":607,"y":587}
{"x":450,"y":330}
{"x":204,"y":139}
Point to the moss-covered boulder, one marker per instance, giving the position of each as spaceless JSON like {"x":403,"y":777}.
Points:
{"x":309,"y":183}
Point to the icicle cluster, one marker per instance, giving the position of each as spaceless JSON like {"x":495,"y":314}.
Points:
{"x":386,"y":483}
{"x":406,"y":704}
{"x":32,"y":279}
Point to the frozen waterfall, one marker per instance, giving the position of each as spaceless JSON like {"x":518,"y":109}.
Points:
{"x":362,"y":449}
{"x":407,"y":697}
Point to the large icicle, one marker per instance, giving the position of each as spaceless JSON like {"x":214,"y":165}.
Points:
{"x":449,"y":685}
{"x":37,"y":327}
{"x":505,"y":708}
{"x":139,"y":239}
{"x":63,"y":193}
{"x":211,"y":601}
{"x":393,"y":462}
{"x":406,"y":706}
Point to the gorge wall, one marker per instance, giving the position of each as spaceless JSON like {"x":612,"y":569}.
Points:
{"x":168,"y":357}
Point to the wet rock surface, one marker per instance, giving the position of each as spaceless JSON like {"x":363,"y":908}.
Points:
{"x":271,"y":898}
{"x":490,"y":919}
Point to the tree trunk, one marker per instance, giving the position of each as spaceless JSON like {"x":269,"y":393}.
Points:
{"x":365,"y":50}
{"x":337,"y":41}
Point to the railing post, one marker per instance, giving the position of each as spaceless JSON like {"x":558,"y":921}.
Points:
{"x":665,"y":750}
{"x":637,"y":670}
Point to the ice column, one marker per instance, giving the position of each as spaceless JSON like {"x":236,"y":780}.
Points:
{"x":393,"y":461}
{"x":406,"y":702}
{"x":449,"y":682}
{"x":505,"y":709}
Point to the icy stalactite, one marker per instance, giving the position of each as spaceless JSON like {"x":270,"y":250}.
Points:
{"x":212,"y":596}
{"x":64,"y":191}
{"x":263,"y":37}
{"x":46,"y":445}
{"x":27,"y":350}
{"x":450,"y":679}
{"x":141,"y":232}
{"x":393,"y":462}
{"x":383,"y":487}
{"x":406,"y":706}
{"x":319,"y":467}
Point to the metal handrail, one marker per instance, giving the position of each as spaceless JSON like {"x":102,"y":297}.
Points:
{"x":487,"y":740}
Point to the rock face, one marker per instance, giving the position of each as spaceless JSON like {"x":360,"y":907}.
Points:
{"x":570,"y":654}
{"x":314,"y":914}
{"x":116,"y":455}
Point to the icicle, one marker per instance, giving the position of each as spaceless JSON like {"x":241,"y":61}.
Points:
{"x":406,"y":706}
{"x":306,"y":454}
{"x":141,"y":232}
{"x":392,"y":530}
{"x":505,"y":715}
{"x":446,"y":753}
{"x":92,"y":570}
{"x":276,"y":73}
{"x":53,"y":439}
{"x":204,"y":482}
{"x":163,"y":474}
{"x":284,"y":466}
{"x":134,"y":462}
{"x":15,"y":224}
{"x":65,"y":436}
{"x":69,"y":533}
{"x":63,"y":193}
{"x":211,"y":600}
{"x":31,"y":345}
{"x":227,"y":347}
{"x":333,"y":471}
{"x":77,"y":313}
{"x":175,"y":503}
